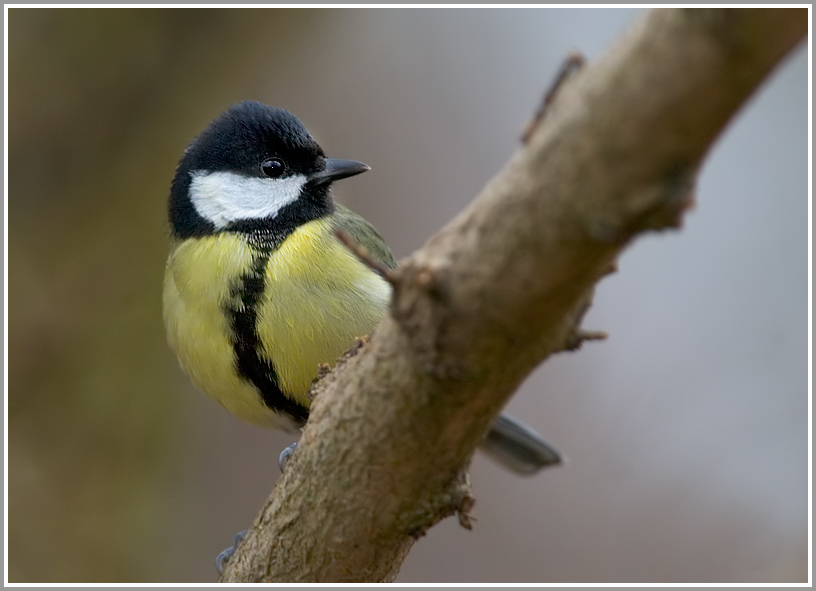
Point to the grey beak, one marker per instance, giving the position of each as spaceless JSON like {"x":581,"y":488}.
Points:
{"x":337,"y":169}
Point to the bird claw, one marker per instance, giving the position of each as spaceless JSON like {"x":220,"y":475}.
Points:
{"x":222,"y":559}
{"x":283,"y":459}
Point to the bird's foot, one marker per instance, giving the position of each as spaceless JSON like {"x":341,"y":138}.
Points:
{"x":283,"y":459}
{"x":222,"y":559}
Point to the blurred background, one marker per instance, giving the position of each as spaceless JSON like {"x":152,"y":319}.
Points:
{"x":687,"y":431}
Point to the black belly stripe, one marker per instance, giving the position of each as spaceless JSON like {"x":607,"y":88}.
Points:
{"x":242,"y":313}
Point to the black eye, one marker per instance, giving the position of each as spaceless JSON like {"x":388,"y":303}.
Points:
{"x":273,"y":167}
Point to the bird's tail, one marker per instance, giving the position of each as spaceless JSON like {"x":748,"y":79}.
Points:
{"x":517,"y":447}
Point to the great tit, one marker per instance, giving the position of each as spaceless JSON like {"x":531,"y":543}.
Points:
{"x":259,"y":291}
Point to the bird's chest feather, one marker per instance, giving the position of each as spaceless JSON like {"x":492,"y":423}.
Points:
{"x":318,"y":298}
{"x":305,"y":302}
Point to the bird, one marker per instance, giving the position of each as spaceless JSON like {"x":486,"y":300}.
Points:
{"x":258,"y":289}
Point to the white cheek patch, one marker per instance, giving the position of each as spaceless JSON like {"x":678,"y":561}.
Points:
{"x":224,"y":197}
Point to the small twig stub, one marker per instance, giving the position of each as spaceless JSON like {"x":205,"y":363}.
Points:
{"x":463,"y":512}
{"x":365,"y":257}
{"x":580,"y":336}
{"x":573,"y":62}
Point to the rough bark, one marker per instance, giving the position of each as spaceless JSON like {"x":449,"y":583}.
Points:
{"x":500,"y":288}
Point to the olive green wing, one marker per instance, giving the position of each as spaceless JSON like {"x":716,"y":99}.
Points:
{"x":363,"y":234}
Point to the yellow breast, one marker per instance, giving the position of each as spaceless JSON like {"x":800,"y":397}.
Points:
{"x":317,"y":298}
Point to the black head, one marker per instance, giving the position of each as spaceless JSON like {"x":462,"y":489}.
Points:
{"x":254,"y":169}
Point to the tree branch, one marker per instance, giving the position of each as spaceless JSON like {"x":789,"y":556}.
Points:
{"x":384,"y":455}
